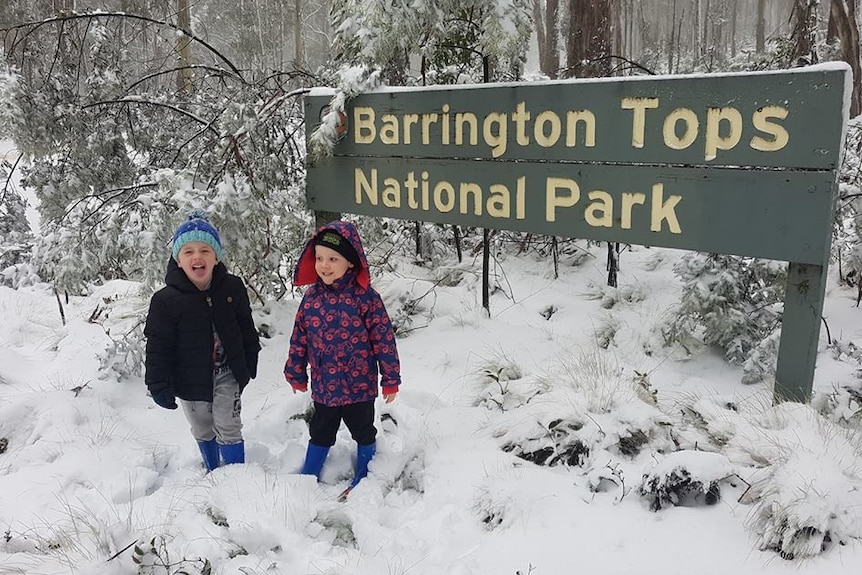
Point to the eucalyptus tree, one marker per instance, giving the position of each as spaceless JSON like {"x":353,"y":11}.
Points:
{"x":467,"y":41}
{"x":117,"y":155}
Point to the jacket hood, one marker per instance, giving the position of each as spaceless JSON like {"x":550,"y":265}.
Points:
{"x":304,"y":274}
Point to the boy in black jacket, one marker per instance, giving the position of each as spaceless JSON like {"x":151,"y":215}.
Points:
{"x":202,"y":345}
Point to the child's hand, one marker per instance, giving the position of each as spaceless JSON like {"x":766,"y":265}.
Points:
{"x":164,"y":398}
{"x":299,"y":387}
{"x":389,"y":397}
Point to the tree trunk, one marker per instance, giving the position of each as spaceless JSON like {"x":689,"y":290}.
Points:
{"x":539,"y":21}
{"x":673,"y":40}
{"x":843,"y":12}
{"x":733,"y":13}
{"x":486,"y":270}
{"x":184,"y":48}
{"x":760,"y":27}
{"x":552,"y":37}
{"x":588,"y":41}
{"x":298,"y":48}
{"x":804,"y":32}
{"x":62,"y":7}
{"x":831,"y":28}
{"x":545,"y":15}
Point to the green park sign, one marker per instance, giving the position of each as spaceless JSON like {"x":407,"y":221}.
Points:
{"x":740,"y":164}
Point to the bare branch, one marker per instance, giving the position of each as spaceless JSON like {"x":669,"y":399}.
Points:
{"x":136,"y":100}
{"x":114,"y":193}
{"x":217,"y":71}
{"x":62,"y":19}
{"x":9,"y":178}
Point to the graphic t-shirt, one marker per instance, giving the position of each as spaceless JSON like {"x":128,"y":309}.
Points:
{"x":219,"y":356}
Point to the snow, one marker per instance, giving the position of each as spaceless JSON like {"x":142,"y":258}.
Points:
{"x":9,"y":154}
{"x":93,"y":465}
{"x":351,"y":75}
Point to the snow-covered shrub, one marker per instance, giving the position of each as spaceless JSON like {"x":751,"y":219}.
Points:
{"x":409,"y":303}
{"x":585,"y":406}
{"x":559,"y":444}
{"x":501,"y":385}
{"x":685,"y":478}
{"x":732,"y":302}
{"x":14,"y":227}
{"x":842,"y":405}
{"x":610,"y":296}
{"x":124,"y":357}
{"x":761,"y":362}
{"x":847,"y":225}
{"x":810,"y":496}
{"x":705,"y":423}
{"x":120,"y":307}
{"x":19,"y":275}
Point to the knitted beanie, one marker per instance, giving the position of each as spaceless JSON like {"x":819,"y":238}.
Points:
{"x":335,"y":241}
{"x":196,"y":228}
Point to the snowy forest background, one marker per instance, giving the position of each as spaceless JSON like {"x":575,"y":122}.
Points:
{"x":125,"y":115}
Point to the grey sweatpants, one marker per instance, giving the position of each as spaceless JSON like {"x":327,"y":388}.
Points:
{"x":221,"y":418}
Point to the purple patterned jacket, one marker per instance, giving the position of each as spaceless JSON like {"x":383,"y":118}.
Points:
{"x":342,"y":331}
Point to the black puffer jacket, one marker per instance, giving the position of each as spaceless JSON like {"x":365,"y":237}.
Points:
{"x":179,"y":333}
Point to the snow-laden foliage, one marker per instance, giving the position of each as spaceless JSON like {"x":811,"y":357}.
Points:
{"x":731,"y":302}
{"x":842,"y":405}
{"x":452,"y":37}
{"x":469,"y":32}
{"x":10,"y":87}
{"x":15,"y":231}
{"x":14,"y":228}
{"x":847,"y":230}
{"x":117,"y":158}
{"x":375,"y":40}
{"x":385,"y":33}
{"x":378,"y":32}
{"x":350,"y":81}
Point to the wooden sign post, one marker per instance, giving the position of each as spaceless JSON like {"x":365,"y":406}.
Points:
{"x":740,"y":164}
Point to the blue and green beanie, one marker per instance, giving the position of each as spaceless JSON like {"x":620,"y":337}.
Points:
{"x":197,"y":228}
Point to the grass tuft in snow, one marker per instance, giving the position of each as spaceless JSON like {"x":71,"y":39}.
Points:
{"x":685,"y":478}
{"x":810,"y":497}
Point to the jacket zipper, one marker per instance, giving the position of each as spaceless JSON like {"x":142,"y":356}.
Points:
{"x":210,"y":304}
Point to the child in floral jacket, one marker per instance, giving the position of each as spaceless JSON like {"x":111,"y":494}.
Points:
{"x":343,"y":333}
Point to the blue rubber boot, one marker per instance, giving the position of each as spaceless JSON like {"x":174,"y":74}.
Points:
{"x":233,"y":453}
{"x":364,"y":455}
{"x":315,"y":455}
{"x":209,"y":452}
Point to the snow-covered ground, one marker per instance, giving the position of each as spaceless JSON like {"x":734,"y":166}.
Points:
{"x":565,"y":371}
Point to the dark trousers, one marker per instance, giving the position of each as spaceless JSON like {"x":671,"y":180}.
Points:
{"x":359,"y":418}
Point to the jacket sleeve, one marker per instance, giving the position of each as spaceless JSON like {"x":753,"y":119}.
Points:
{"x":250,"y":337}
{"x":296,"y":366}
{"x":382,"y":338}
{"x":161,"y":335}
